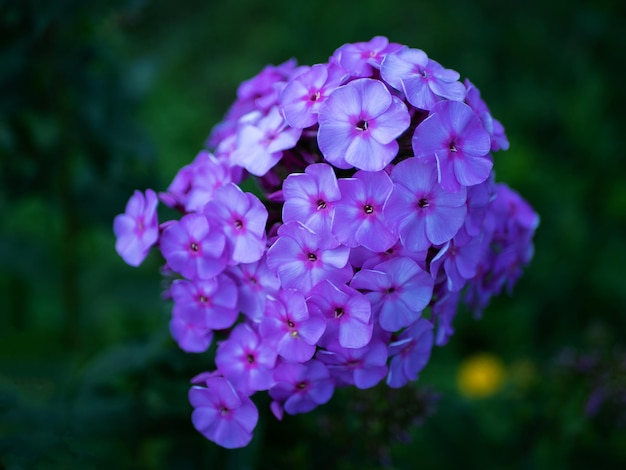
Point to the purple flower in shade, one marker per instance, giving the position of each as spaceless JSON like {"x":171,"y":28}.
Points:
{"x":194,"y":184}
{"x":260,"y":143}
{"x":300,"y":387}
{"x":492,"y":126}
{"x":460,"y":257}
{"x":310,"y":197}
{"x":359,"y":214}
{"x":410,"y":353}
{"x":361,"y":58}
{"x":137,"y":230}
{"x":444,"y":311}
{"x":242,"y":217}
{"x":398,"y":290}
{"x":513,"y":211}
{"x":455,"y":137}
{"x":418,"y":207}
{"x":361,"y":257}
{"x":254,"y":281}
{"x":424,"y":82}
{"x":245,"y":360}
{"x":478,"y":198}
{"x":194,"y":248}
{"x":358,"y":125}
{"x":290,"y":327}
{"x":302,"y":258}
{"x":363,"y":367}
{"x":348,"y":314}
{"x":211,"y":302}
{"x":222,"y":414}
{"x":190,"y":332}
{"x":261,"y":91}
{"x":301,"y":98}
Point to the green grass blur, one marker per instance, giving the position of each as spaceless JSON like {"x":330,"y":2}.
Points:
{"x":100,"y":98}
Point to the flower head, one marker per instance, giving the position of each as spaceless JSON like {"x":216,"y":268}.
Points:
{"x":373,"y":213}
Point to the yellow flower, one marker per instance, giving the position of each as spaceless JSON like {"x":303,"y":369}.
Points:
{"x":480,"y":376}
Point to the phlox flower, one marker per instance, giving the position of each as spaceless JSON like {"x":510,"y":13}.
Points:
{"x":254,"y":281}
{"x":444,"y":311}
{"x":479,"y":198}
{"x":310,"y":197}
{"x":410,"y":353}
{"x":300,"y":388}
{"x":514,"y":213}
{"x":361,"y":58}
{"x":460,"y":258}
{"x":137,"y":230}
{"x":242,"y":217}
{"x":193,"y":247}
{"x":194,"y":184}
{"x":359,"y":218}
{"x":361,"y":257}
{"x":210,"y":302}
{"x":222,"y":414}
{"x":363,"y":367}
{"x":358,"y":125}
{"x":423,"y":81}
{"x":260,"y":143}
{"x":348,"y":314}
{"x":245,"y":360}
{"x":302,"y":258}
{"x":301,"y":98}
{"x":495,"y":129}
{"x":190,"y":331}
{"x":420,"y":209}
{"x":262,"y":91}
{"x":454,"y":136}
{"x":289,"y":327}
{"x":398,"y":290}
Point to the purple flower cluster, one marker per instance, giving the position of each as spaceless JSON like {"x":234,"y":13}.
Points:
{"x":376,"y":214}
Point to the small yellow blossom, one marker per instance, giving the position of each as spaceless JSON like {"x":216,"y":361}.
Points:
{"x":481,"y":376}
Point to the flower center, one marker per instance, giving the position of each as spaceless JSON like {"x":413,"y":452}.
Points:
{"x":203,"y":299}
{"x":321,"y":204}
{"x":368,"y":209}
{"x":194,"y":246}
{"x":224,"y":411}
{"x":339,"y":312}
{"x":238,"y":224}
{"x":312,"y":257}
{"x":301,"y":385}
{"x":250,"y":358}
{"x":315,"y":96}
{"x":362,"y":125}
{"x":453,"y":146}
{"x":423,"y":203}
{"x":290,"y":324}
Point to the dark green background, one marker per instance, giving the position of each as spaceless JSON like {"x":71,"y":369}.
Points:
{"x":100,"y":98}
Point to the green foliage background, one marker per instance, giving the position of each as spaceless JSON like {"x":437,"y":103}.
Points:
{"x":100,"y":98}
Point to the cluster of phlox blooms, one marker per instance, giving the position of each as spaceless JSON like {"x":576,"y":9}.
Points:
{"x":375,"y":214}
